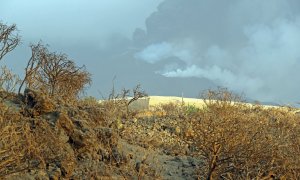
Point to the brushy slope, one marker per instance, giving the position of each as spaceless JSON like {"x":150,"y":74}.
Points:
{"x":42,"y":139}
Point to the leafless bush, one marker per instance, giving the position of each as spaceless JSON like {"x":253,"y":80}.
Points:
{"x":54,"y":74}
{"x":172,"y":110}
{"x":9,"y":39}
{"x":18,"y":149}
{"x":137,"y":93}
{"x":8,"y":80}
{"x":32,"y":67}
{"x":117,"y":105}
{"x":241,"y":142}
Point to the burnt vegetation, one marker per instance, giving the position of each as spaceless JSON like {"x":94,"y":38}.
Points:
{"x":54,"y":74}
{"x":9,"y":39}
{"x":48,"y":132}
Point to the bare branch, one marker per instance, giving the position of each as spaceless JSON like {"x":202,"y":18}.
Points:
{"x":9,"y":39}
{"x":54,"y":74}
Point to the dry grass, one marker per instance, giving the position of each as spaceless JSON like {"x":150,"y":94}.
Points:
{"x":18,"y":149}
{"x":231,"y":139}
{"x":241,"y":142}
{"x":62,"y":142}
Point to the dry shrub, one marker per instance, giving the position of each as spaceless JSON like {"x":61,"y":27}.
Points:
{"x":8,"y":80}
{"x":67,"y":143}
{"x":11,"y":150}
{"x":176,"y":110}
{"x":240,"y":142}
{"x":91,"y":136}
{"x":28,"y":143}
{"x":172,"y":110}
{"x":8,"y":83}
{"x":116,"y":108}
{"x":53,"y":146}
{"x":100,"y":114}
{"x":54,"y":74}
{"x":88,"y":102}
{"x":9,"y":39}
{"x":137,"y":93}
{"x":18,"y":150}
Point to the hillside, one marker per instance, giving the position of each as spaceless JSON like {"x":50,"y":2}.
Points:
{"x":151,"y":102}
{"x":42,"y":139}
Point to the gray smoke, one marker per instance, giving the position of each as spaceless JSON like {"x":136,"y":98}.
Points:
{"x":249,"y":46}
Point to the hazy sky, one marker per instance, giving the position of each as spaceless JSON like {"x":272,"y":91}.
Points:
{"x":170,"y":46}
{"x":92,"y":19}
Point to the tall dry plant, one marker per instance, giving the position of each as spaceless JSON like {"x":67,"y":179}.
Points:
{"x":54,"y":74}
{"x":18,"y":150}
{"x":32,"y":67}
{"x":137,"y":93}
{"x":9,"y":39}
{"x":8,"y":80}
{"x":236,"y":141}
{"x":119,"y":103}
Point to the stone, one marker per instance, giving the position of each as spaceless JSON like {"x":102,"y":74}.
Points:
{"x":37,"y":101}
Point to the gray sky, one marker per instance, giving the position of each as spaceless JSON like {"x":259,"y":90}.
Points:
{"x":170,"y":46}
{"x":69,"y":19}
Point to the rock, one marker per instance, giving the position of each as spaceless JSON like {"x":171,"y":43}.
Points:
{"x":77,"y":139}
{"x":186,"y":164}
{"x":54,"y":172}
{"x":37,"y":101}
{"x":107,"y":136}
{"x":81,"y":124}
{"x":41,"y":174}
{"x":138,"y":166}
{"x":63,"y":121}
{"x":62,"y":136}
{"x":67,"y":167}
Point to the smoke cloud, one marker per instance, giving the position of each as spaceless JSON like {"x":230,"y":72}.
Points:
{"x":249,"y":46}
{"x":158,"y":52}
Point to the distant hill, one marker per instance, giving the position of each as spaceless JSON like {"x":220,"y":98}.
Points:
{"x":152,"y":101}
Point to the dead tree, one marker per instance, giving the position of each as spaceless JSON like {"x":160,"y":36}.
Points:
{"x":54,"y":74}
{"x":33,"y":65}
{"x":137,"y":94}
{"x":9,"y":39}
